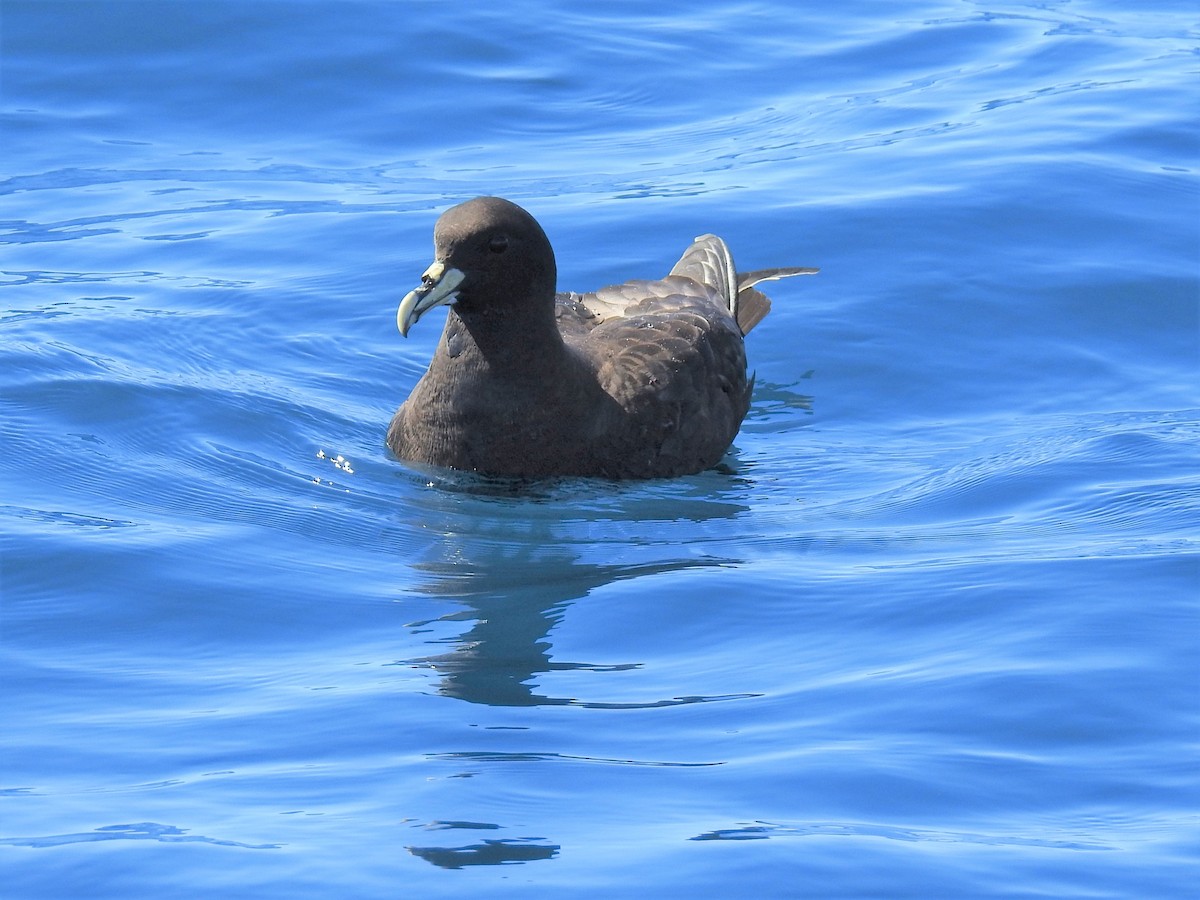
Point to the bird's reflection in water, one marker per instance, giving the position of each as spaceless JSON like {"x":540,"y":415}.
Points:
{"x":516,"y":567}
{"x":514,"y":604}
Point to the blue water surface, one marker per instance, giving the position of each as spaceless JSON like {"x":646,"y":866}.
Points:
{"x":929,"y":631}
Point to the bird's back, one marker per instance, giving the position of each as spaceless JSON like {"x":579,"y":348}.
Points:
{"x":670,"y":353}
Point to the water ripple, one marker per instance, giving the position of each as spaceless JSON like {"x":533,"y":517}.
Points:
{"x":763,"y":831}
{"x":141,"y":831}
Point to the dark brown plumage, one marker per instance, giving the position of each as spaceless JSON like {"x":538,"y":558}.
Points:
{"x":637,"y":380}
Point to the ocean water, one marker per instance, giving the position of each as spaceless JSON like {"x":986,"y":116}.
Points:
{"x":930,"y":630}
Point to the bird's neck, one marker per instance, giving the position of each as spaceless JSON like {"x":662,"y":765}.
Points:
{"x":505,"y":343}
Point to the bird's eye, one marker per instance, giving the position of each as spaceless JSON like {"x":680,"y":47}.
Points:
{"x":498,"y":243}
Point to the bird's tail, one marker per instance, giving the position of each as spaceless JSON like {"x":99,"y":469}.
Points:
{"x":753,"y":305}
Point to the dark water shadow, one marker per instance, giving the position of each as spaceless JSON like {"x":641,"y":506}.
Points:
{"x":487,"y":853}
